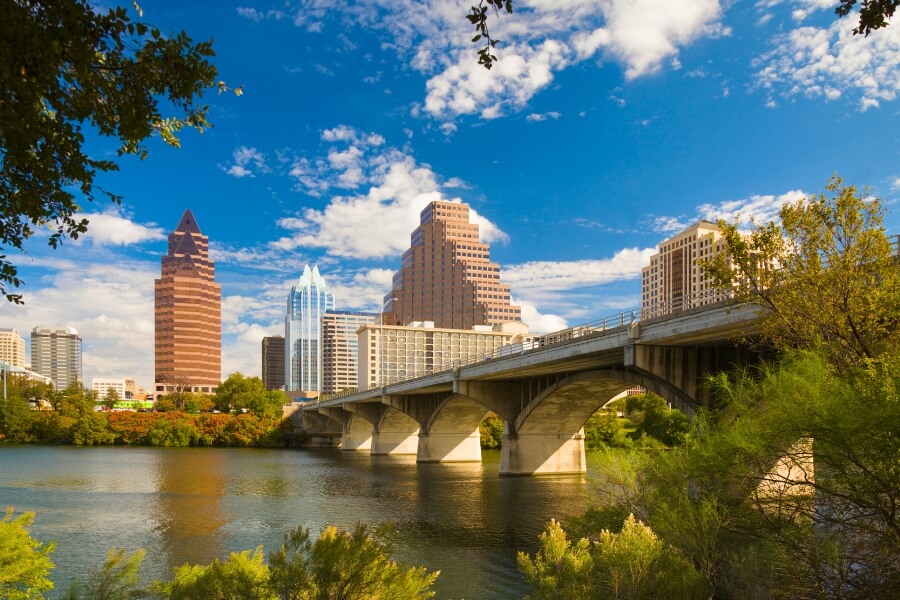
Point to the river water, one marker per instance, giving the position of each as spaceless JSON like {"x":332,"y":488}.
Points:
{"x":192,"y":505}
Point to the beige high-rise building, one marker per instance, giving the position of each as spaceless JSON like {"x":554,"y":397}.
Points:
{"x":390,"y":352}
{"x":340,"y":348}
{"x":12,"y":348}
{"x":188,"y":314}
{"x":447,"y":276}
{"x":674,"y":281}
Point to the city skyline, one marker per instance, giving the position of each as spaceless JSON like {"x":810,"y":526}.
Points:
{"x":585,"y":146}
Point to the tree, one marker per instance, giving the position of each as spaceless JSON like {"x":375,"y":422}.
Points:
{"x":119,"y":579}
{"x":112,"y":397}
{"x":824,"y":277}
{"x":345,"y":566}
{"x":24,"y":561}
{"x":68,"y":67}
{"x":239,"y":392}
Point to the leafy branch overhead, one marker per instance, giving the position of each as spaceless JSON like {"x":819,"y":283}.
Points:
{"x":478,"y":17}
{"x":65,"y":69}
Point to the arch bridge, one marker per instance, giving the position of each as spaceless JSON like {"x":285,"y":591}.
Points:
{"x":544,"y":393}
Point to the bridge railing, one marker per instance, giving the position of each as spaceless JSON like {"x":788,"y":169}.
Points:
{"x":597,"y":326}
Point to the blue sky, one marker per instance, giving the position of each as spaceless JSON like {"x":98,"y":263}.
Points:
{"x":606,"y":126}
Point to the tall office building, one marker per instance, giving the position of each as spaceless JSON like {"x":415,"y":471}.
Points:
{"x":674,"y":281}
{"x":12,"y":348}
{"x":307,"y":302}
{"x":447,"y":276}
{"x":340,"y":348}
{"x":188,"y":314}
{"x":56,"y":353}
{"x":273,"y":362}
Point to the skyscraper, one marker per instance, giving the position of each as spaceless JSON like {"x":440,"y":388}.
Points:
{"x":56,"y":353}
{"x":307,"y":302}
{"x":273,"y":362}
{"x":447,"y":276}
{"x":340,"y":348}
{"x":188,"y":314}
{"x":12,"y":348}
{"x":673,"y":280}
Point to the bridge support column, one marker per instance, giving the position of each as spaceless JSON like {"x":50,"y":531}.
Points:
{"x":395,"y":442}
{"x":543,"y":454}
{"x":356,"y":439}
{"x":449,"y":447}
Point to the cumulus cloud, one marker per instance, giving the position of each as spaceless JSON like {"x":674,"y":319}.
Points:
{"x":561,"y":275}
{"x":760,"y":208}
{"x":113,"y":228}
{"x":398,"y":188}
{"x":110,"y":303}
{"x":538,"y":117}
{"x":537,"y":322}
{"x":831,"y":62}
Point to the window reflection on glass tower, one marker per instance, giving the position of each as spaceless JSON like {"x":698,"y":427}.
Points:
{"x":307,"y":302}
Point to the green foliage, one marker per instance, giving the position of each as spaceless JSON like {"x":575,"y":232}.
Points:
{"x":873,"y":14}
{"x":491,"y":430}
{"x":92,"y":429}
{"x":15,"y":420}
{"x":112,"y":396}
{"x":119,"y":579}
{"x":244,"y":576}
{"x":178,"y":433}
{"x":605,"y":430}
{"x":633,"y":563}
{"x":24,"y":562}
{"x":338,"y":565}
{"x":70,"y":65}
{"x":239,"y":392}
{"x":825,"y":277}
{"x":560,"y":570}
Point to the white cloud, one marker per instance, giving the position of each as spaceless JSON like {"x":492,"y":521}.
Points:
{"x":537,"y":276}
{"x":895,"y":183}
{"x":760,"y":208}
{"x":246,"y":160}
{"x":398,"y":190}
{"x":539,"y":323}
{"x":258,"y":15}
{"x":111,"y":228}
{"x":831,"y":62}
{"x":540,"y":39}
{"x":538,"y":117}
{"x":109,"y":302}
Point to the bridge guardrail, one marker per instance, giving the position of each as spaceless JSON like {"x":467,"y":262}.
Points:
{"x":596,"y":326}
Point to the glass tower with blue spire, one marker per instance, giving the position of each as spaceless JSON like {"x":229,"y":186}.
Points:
{"x":307,"y":302}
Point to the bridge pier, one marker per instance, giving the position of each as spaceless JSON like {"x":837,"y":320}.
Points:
{"x":357,"y":435}
{"x":543,"y":454}
{"x":395,"y":442}
{"x":449,"y":447}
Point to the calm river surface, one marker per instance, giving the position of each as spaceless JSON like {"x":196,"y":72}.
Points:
{"x":191,"y":505}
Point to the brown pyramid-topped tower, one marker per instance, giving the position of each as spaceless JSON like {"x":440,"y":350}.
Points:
{"x":188,"y":314}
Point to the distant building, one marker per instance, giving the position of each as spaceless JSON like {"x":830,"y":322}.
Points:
{"x":12,"y":348}
{"x":308,"y":301}
{"x":102,"y":385}
{"x":13,"y":372}
{"x":674,"y":281}
{"x":188,"y":314}
{"x":340,"y":348}
{"x":391,"y":352}
{"x":56,"y":353}
{"x":447,"y":276}
{"x":273,"y":362}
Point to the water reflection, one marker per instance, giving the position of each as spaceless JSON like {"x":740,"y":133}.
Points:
{"x":195,"y":505}
{"x":190,"y":484}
